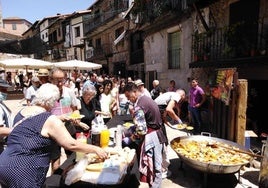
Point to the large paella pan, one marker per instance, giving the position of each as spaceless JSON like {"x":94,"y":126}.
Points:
{"x":197,"y":152}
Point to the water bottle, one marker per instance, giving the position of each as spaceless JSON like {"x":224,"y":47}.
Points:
{"x":118,"y":136}
{"x":81,"y":138}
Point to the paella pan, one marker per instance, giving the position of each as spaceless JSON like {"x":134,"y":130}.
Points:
{"x":198,"y":151}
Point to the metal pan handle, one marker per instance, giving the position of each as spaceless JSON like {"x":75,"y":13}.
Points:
{"x":206,"y":134}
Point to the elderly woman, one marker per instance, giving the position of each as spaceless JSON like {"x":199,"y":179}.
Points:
{"x":25,"y":161}
{"x":157,"y":89}
{"x":88,"y":93}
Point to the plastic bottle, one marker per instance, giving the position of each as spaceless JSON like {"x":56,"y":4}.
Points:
{"x":81,"y":138}
{"x":95,"y":135}
{"x":118,"y":136}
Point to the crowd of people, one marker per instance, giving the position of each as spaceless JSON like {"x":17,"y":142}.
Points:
{"x":32,"y":140}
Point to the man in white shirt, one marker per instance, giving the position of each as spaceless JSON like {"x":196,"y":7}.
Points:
{"x":30,"y":92}
{"x":169,"y":101}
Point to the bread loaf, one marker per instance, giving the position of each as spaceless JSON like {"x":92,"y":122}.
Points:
{"x":95,"y":167}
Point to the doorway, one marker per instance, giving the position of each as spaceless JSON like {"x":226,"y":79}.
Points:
{"x":257,"y":98}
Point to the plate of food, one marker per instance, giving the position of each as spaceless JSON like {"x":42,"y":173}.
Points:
{"x":128,"y":124}
{"x":76,"y":116}
{"x":189,"y":128}
{"x":179,"y":126}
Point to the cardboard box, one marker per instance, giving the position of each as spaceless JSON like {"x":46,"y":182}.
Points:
{"x":248,"y":135}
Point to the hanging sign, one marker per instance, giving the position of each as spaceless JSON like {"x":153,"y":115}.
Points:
{"x":224,"y":81}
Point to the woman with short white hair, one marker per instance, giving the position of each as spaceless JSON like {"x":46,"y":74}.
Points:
{"x":88,"y":93}
{"x":157,"y":90}
{"x":25,"y":161}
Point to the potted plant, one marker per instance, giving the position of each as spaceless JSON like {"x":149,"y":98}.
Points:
{"x":228,"y":51}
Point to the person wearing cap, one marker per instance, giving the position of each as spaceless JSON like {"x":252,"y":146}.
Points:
{"x":6,"y":120}
{"x":141,"y":87}
{"x":30,"y":92}
{"x":43,"y":76}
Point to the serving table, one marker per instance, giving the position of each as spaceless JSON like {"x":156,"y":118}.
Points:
{"x":118,"y":120}
{"x":130,"y":180}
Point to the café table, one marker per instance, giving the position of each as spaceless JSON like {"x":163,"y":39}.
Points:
{"x":131,"y":179}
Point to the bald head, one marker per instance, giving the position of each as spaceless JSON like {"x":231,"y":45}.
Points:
{"x":181,"y":92}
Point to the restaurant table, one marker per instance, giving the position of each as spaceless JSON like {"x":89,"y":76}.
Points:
{"x":131,"y":179}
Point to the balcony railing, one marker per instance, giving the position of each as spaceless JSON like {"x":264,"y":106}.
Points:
{"x":151,"y":10}
{"x":101,"y":52}
{"x":229,"y":43}
{"x":103,"y":17}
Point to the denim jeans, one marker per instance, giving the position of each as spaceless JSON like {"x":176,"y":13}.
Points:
{"x":196,"y":117}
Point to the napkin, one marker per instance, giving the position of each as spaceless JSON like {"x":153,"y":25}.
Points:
{"x":112,"y":172}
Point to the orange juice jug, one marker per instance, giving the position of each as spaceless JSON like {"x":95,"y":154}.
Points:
{"x":104,"y":137}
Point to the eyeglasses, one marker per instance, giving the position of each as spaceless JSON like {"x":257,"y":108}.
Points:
{"x":57,"y":81}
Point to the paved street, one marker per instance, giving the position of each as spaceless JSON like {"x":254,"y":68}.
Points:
{"x":186,"y":176}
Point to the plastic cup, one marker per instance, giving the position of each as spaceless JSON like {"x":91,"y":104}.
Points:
{"x":104,"y":138}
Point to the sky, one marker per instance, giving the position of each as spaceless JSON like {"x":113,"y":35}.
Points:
{"x":33,"y":10}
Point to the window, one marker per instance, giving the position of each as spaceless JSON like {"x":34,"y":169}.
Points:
{"x":59,"y":32}
{"x":14,"y":27}
{"x":98,"y":43}
{"x":54,"y":37}
{"x":77,"y":31}
{"x":174,"y":50}
{"x":89,"y":43}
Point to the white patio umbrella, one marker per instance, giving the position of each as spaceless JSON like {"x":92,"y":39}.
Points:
{"x":77,"y":65}
{"x":24,"y":62}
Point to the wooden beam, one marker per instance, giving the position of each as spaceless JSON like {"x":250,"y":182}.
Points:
{"x":241,"y":111}
{"x":201,"y":17}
